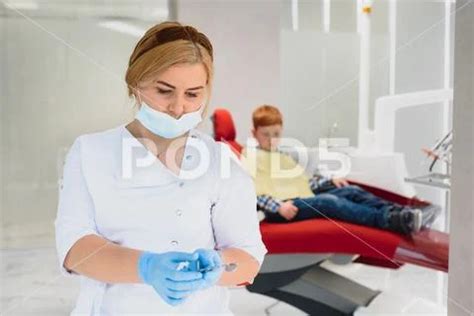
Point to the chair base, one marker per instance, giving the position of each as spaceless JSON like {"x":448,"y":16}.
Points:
{"x":314,"y":290}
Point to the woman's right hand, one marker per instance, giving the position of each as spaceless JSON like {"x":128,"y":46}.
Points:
{"x":161,"y":272}
{"x":288,"y":210}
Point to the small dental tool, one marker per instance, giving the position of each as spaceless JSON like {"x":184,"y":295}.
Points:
{"x":228,"y":267}
{"x":195,"y":266}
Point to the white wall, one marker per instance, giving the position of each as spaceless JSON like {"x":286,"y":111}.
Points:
{"x":245,"y":36}
{"x":420,"y":66}
{"x":51,"y":93}
{"x":313,"y":66}
{"x":320,"y":70}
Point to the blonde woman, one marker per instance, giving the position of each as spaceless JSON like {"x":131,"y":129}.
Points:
{"x":152,"y":215}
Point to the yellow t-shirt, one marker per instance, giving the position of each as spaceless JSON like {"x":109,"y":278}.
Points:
{"x":276,"y":174}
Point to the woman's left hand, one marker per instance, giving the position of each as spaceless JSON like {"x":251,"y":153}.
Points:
{"x":340,"y":182}
{"x":210,"y":260}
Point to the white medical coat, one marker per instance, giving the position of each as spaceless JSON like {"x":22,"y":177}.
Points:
{"x":150,"y":208}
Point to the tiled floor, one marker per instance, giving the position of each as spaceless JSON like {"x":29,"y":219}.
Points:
{"x":32,"y":285}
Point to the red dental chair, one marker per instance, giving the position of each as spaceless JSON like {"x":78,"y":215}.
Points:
{"x":292,"y":270}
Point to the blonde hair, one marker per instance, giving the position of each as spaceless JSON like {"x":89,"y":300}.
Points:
{"x":165,"y":45}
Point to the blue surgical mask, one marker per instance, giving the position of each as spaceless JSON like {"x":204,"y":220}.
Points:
{"x":166,"y":126}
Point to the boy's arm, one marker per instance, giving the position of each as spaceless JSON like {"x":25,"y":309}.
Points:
{"x":268,"y":204}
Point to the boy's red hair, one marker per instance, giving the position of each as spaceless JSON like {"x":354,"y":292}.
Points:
{"x":266,"y":115}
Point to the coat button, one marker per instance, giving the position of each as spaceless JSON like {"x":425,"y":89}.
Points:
{"x":174,"y":243}
{"x":179,"y":212}
{"x":188,"y":157}
{"x":181,"y":184}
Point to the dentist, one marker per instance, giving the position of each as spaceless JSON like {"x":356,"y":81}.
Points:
{"x":154,"y":216}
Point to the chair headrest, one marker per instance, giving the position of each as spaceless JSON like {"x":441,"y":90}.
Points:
{"x":223,"y":123}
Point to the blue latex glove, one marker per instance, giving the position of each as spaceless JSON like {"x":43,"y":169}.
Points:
{"x":211,"y":264}
{"x":160,"y":271}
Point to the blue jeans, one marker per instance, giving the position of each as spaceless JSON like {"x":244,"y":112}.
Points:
{"x":351,"y":204}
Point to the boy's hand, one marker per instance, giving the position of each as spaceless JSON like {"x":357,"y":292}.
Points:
{"x":288,"y":210}
{"x":340,"y":182}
